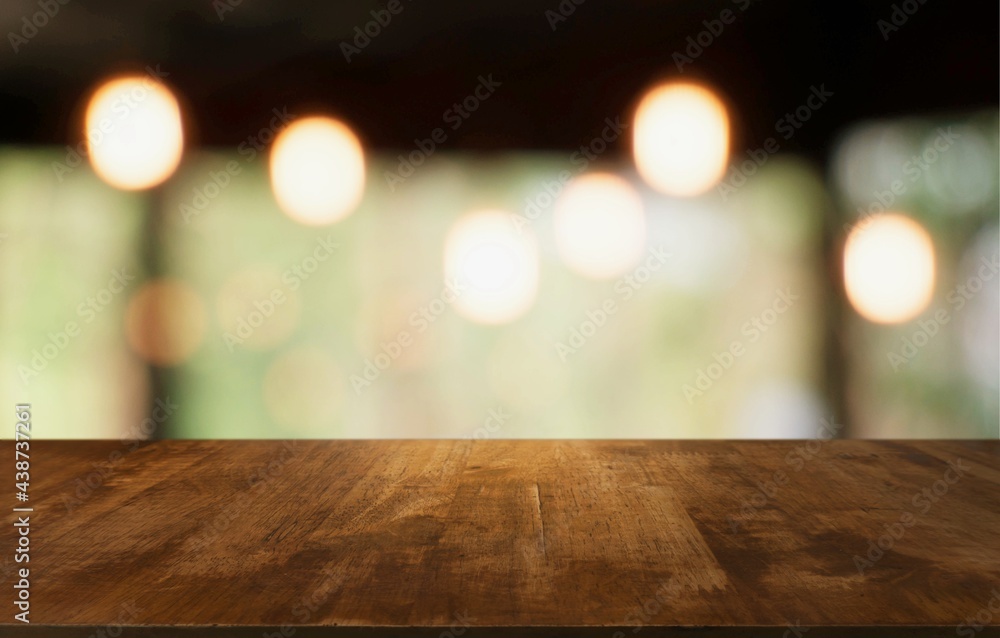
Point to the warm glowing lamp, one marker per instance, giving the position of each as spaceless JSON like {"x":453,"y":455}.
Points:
{"x":495,"y":266}
{"x":317,"y":170}
{"x":681,"y":138}
{"x":599,"y":224}
{"x":134,"y":133}
{"x":889,"y":268}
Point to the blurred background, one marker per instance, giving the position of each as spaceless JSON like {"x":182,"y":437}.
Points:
{"x":740,"y":219}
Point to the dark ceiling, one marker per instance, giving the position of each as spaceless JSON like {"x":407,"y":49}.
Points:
{"x":557,"y":86}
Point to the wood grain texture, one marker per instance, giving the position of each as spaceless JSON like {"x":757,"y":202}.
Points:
{"x":505,"y":538}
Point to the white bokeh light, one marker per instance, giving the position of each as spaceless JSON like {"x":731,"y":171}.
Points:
{"x":600,"y":227}
{"x":681,"y":138}
{"x":495,"y":266}
{"x":965,"y":175}
{"x":869,"y":159}
{"x":317,"y":170}
{"x":134,"y":133}
{"x":889,"y":268}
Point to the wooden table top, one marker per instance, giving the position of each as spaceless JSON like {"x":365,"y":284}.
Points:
{"x":511,"y":538}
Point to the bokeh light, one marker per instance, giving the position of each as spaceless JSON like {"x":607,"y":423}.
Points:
{"x":681,"y":138}
{"x":165,"y":322}
{"x":964,"y":178}
{"x":495,"y":265}
{"x":133,"y":132}
{"x":256,"y":310}
{"x":867,"y":161}
{"x":317,"y":170}
{"x":889,"y":268}
{"x":600,"y":226}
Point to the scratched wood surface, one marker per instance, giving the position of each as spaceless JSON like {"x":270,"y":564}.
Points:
{"x":511,"y":538}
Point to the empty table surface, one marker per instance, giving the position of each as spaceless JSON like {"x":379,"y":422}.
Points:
{"x":510,"y":538}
